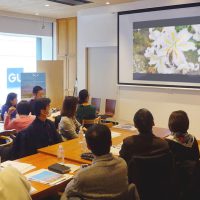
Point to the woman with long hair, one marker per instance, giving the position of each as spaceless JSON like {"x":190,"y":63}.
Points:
{"x":69,"y":126}
{"x":11,"y":103}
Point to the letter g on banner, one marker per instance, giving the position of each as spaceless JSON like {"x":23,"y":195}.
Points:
{"x":14,"y":77}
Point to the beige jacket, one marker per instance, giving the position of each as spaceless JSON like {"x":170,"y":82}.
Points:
{"x":13,"y":185}
{"x":68,"y":127}
{"x":105,"y":179}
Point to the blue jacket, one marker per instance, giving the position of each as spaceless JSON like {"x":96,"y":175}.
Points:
{"x":4,"y":109}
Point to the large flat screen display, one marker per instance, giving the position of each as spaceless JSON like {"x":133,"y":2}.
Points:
{"x":160,"y":47}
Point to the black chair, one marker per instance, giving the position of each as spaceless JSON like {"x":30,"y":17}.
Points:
{"x":5,"y":148}
{"x":96,"y":102}
{"x":57,"y":121}
{"x":153,"y":176}
{"x":188,"y":179}
{"x":109,"y":109}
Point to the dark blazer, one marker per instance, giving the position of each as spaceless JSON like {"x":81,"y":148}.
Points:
{"x":142,"y":145}
{"x":39,"y":134}
{"x":183,"y":153}
{"x":32,"y":106}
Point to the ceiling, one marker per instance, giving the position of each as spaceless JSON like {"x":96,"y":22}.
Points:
{"x":54,"y":10}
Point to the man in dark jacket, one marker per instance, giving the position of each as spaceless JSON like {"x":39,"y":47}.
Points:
{"x":145,"y":143}
{"x":37,"y":94}
{"x":40,"y":133}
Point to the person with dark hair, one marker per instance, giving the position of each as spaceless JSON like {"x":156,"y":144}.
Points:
{"x":11,"y":102}
{"x":37,"y":93}
{"x":69,"y":126}
{"x":183,"y":145}
{"x":40,"y":133}
{"x":23,"y":119}
{"x":145,"y":143}
{"x":85,"y":110}
{"x":107,"y":177}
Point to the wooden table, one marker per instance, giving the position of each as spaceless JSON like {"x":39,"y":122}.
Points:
{"x":42,"y":161}
{"x":73,"y":148}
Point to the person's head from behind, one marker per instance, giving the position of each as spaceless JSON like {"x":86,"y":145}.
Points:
{"x":98,"y":138}
{"x":178,"y":122}
{"x":143,"y":121}
{"x":83,"y":96}
{"x":23,"y":108}
{"x":38,"y":92}
{"x":11,"y":99}
{"x":42,"y":107}
{"x":69,"y":106}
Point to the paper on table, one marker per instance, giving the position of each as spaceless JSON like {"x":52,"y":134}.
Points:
{"x":73,"y":167}
{"x":54,"y":115}
{"x":115,"y":134}
{"x":125,"y":127}
{"x":21,"y":167}
{"x":1,"y":127}
{"x":47,"y":177}
{"x":115,"y":149}
{"x":33,"y":190}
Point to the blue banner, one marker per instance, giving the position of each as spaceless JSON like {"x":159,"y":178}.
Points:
{"x":14,"y":77}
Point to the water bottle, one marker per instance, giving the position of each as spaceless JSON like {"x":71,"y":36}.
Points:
{"x":61,"y":154}
{"x":82,"y":140}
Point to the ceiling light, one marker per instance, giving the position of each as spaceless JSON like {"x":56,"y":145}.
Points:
{"x":47,"y":5}
{"x":107,"y":3}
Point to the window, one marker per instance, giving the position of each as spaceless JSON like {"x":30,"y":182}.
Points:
{"x":18,"y":54}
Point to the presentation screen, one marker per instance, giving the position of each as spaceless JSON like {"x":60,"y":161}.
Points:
{"x":160,"y":47}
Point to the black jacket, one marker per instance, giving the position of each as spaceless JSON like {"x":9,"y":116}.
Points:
{"x":183,"y":153}
{"x":39,"y":134}
{"x":142,"y":145}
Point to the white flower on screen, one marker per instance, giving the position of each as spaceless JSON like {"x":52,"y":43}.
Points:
{"x":154,"y":34}
{"x":196,"y":35}
{"x":174,"y":44}
{"x":199,"y":55}
{"x":157,"y":60}
{"x":187,"y":67}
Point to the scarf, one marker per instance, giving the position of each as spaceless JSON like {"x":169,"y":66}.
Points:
{"x":184,"y":139}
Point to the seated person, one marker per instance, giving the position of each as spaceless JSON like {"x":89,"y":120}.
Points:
{"x":183,"y":145}
{"x":11,"y":101}
{"x":69,"y":126}
{"x":37,"y":93}
{"x":107,"y":177}
{"x":85,"y":110}
{"x":13,"y":185}
{"x":145,"y":143}
{"x":40,"y":133}
{"x":22,"y":121}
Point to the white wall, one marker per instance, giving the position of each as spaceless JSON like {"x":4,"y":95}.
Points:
{"x":102,"y":69}
{"x":98,"y":28}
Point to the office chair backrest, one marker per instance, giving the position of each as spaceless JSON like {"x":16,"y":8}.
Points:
{"x":110,"y":106}
{"x":153,"y":176}
{"x":96,"y":102}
